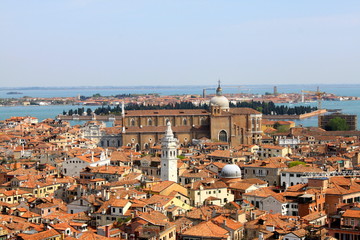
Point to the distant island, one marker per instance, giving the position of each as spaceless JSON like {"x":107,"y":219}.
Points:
{"x":12,"y":93}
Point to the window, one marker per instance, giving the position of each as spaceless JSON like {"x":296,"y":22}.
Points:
{"x":223,"y":136}
{"x":150,"y":122}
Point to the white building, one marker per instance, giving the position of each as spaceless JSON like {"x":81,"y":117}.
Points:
{"x":169,"y":144}
{"x":291,"y":142}
{"x":209,"y":192}
{"x":73,"y":167}
{"x":297,"y":175}
{"x":267,"y":200}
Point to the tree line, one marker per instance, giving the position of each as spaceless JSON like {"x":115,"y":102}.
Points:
{"x":266,"y":108}
{"x":269,"y":108}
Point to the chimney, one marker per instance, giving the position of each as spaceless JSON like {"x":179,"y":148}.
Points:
{"x":224,"y":223}
{"x":261,"y":236}
{"x":107,"y":195}
{"x":107,"y":231}
{"x":213,"y":214}
{"x":252,"y":215}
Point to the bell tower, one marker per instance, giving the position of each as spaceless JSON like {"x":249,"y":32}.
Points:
{"x":169,"y":159}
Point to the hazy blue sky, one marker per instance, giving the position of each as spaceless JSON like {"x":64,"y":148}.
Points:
{"x":145,"y":42}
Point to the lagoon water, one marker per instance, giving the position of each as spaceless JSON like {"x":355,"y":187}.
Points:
{"x":43,"y":112}
{"x":341,"y":90}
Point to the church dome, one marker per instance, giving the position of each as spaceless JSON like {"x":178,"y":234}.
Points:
{"x":219,"y":100}
{"x":230,"y":171}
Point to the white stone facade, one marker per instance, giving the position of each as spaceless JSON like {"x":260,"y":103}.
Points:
{"x":169,"y":144}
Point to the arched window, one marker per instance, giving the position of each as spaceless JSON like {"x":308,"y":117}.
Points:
{"x":150,"y":122}
{"x":132,"y":122}
{"x":223,"y":136}
{"x":137,"y":146}
{"x":146,"y":146}
{"x":184,"y":121}
{"x":203,"y":121}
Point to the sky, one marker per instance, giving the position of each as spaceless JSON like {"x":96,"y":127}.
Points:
{"x":178,"y":42}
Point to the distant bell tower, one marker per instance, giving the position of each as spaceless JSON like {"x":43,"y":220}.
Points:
{"x":169,"y":159}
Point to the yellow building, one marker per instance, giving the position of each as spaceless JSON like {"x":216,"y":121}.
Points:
{"x":275,"y":124}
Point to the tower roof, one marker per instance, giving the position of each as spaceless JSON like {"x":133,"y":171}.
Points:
{"x":168,"y":131}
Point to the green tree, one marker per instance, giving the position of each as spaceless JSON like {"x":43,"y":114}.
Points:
{"x":277,"y":125}
{"x":337,"y":124}
{"x":295,"y":163}
{"x":283,"y":128}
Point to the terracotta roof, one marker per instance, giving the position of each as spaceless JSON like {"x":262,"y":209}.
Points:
{"x":352,"y":213}
{"x":207,"y":230}
{"x":166,"y":112}
{"x":93,"y":236}
{"x":161,"y":186}
{"x":51,"y":233}
{"x":313,"y":216}
{"x":222,"y":220}
{"x":154,"y":217}
{"x":302,"y":168}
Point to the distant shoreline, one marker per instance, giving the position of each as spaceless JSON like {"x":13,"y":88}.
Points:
{"x":172,"y":87}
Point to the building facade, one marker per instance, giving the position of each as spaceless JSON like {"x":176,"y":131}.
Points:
{"x":142,"y":129}
{"x":351,"y":120}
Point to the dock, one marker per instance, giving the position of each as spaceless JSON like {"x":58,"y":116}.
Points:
{"x":296,"y":117}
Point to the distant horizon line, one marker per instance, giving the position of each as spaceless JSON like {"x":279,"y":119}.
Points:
{"x":343,"y":85}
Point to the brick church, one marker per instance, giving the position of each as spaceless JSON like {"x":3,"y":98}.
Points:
{"x":144,"y":128}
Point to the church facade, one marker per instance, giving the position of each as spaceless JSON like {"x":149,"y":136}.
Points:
{"x":142,"y":129}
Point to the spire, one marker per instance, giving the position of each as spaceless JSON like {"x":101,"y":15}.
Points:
{"x":219,"y":89}
{"x":122,"y":109}
{"x":123,"y":116}
{"x":168,"y":132}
